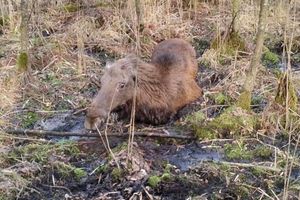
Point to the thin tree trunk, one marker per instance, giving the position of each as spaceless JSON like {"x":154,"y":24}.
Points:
{"x":235,"y":13}
{"x":245,"y":97}
{"x":23,"y":58}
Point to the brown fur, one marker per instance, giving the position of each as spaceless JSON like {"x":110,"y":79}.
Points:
{"x":164,"y":85}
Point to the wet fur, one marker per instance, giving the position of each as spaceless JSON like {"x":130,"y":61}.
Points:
{"x":164,"y":85}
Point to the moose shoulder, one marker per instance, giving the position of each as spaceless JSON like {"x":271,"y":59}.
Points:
{"x":164,"y":85}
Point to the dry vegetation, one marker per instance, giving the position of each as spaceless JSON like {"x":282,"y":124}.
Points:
{"x":70,"y":42}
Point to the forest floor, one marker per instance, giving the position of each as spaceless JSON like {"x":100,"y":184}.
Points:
{"x":255,"y":159}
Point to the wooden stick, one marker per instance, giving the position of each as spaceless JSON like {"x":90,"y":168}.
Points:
{"x":43,"y":133}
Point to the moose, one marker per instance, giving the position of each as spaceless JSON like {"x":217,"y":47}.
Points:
{"x":159,"y":88}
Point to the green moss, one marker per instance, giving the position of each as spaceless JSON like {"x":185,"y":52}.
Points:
{"x":22,"y":62}
{"x":263,"y":152}
{"x":41,"y":153}
{"x":102,"y":169}
{"x":117,"y":173}
{"x":71,"y":7}
{"x":79,"y":173}
{"x":220,"y":98}
{"x":228,"y":46}
{"x":237,"y":152}
{"x":204,"y":133}
{"x":233,"y":119}
{"x":270,"y":59}
{"x":242,"y":192}
{"x":153,"y":181}
{"x":166,"y":176}
{"x":244,"y":100}
{"x":195,"y":118}
{"x":29,"y":119}
{"x":64,"y":169}
{"x":258,"y":171}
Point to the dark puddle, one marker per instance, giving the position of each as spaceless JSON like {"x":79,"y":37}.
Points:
{"x":191,"y":156}
{"x":61,"y":122}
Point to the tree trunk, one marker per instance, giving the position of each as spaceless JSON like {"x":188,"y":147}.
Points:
{"x":23,"y":58}
{"x":245,"y":97}
{"x":235,"y":13}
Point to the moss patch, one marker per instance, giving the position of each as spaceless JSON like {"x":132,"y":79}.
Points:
{"x":244,"y":100}
{"x":41,"y":153}
{"x":153,"y":181}
{"x":79,"y":173}
{"x":233,"y":120}
{"x":117,"y":173}
{"x":240,"y":151}
{"x":263,"y":152}
{"x":22,"y":62}
{"x":270,"y":59}
{"x":237,"y":152}
{"x":29,"y":119}
{"x":221,"y":99}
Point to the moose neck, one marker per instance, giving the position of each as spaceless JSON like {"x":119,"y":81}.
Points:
{"x":150,"y":90}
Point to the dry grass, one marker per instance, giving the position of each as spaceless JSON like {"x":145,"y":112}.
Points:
{"x":68,"y":63}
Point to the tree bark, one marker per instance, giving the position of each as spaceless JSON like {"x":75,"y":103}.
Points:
{"x":245,"y":97}
{"x":23,"y":58}
{"x":235,"y":13}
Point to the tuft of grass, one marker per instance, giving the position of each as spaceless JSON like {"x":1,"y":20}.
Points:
{"x":4,"y":20}
{"x":282,"y":92}
{"x":29,"y":119}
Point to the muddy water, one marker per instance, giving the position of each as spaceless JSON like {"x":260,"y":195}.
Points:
{"x":184,"y":158}
{"x":191,"y":156}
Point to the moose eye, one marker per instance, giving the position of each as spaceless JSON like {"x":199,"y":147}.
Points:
{"x":121,"y":85}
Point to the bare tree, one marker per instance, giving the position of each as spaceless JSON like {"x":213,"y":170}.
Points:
{"x":245,"y":97}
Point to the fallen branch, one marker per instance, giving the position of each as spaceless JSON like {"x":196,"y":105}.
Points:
{"x":43,"y":133}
